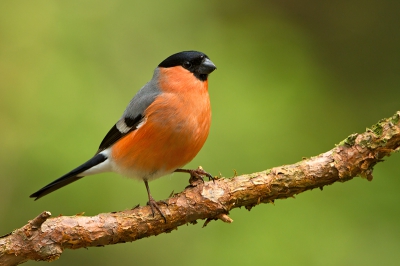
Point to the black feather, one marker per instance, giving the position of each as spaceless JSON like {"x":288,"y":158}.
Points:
{"x":70,"y":177}
{"x":114,"y":134}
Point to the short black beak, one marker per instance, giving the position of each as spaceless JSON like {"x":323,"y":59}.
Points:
{"x":207,"y":67}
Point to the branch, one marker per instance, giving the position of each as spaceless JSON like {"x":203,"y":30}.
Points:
{"x":45,"y":238}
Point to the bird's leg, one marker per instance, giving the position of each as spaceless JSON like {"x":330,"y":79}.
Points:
{"x":196,"y":174}
{"x":153,"y":204}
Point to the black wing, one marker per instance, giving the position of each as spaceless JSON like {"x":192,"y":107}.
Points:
{"x":120,"y":129}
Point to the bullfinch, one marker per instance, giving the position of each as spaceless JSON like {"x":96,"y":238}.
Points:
{"x":163,"y":127}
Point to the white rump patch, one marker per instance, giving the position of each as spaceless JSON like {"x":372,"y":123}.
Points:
{"x":102,"y":167}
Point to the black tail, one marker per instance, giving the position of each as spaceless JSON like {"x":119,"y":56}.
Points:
{"x":69,"y":178}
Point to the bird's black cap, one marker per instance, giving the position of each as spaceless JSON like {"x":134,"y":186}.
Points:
{"x":196,"y":62}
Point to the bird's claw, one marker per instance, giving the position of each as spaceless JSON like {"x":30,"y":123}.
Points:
{"x":154,"y":205}
{"x":196,"y":175}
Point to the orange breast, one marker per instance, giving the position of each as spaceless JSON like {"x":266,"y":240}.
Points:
{"x":176,"y":127}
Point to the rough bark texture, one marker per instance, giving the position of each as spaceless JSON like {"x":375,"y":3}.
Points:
{"x":45,"y":239}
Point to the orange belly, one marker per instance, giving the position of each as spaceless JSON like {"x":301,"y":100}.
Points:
{"x":175,"y":129}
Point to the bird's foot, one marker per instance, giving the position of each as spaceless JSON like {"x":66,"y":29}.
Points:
{"x":154,"y":205}
{"x":196,"y":175}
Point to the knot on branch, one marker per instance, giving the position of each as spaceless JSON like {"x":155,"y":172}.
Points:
{"x":39,"y":220}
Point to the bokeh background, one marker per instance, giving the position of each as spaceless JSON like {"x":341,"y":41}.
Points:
{"x":293,"y":79}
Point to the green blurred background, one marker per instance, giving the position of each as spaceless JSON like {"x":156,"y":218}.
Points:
{"x":293,"y":79}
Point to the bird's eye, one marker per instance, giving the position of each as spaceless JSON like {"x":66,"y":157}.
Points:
{"x":187,"y":64}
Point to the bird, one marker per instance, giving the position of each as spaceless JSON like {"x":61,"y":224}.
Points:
{"x":162,"y":129}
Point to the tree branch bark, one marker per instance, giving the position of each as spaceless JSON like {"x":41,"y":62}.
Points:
{"x":45,"y":238}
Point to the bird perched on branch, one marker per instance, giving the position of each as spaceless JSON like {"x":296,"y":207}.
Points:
{"x":163,"y":127}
